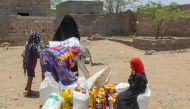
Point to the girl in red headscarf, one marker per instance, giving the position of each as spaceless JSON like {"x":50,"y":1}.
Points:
{"x":138,"y":84}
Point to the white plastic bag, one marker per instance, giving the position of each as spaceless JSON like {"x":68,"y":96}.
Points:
{"x":73,"y":41}
{"x":54,"y":101}
{"x":143,"y":99}
{"x":80,"y":100}
{"x":121,"y":87}
{"x":75,"y":84}
{"x":48,"y":86}
{"x":98,"y":78}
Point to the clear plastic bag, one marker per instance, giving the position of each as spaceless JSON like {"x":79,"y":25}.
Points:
{"x":98,"y":79}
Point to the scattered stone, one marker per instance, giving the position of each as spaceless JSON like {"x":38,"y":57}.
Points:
{"x":12,"y":89}
{"x":5,"y":44}
{"x":15,"y":99}
{"x":6,"y":47}
{"x":149,"y":52}
{"x":126,"y":61}
{"x":96,"y":37}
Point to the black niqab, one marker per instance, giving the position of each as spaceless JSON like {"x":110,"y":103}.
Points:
{"x":67,"y":29}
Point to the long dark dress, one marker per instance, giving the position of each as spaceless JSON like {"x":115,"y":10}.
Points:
{"x":128,"y":98}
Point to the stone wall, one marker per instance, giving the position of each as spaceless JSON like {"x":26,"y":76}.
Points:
{"x":179,"y":28}
{"x":20,"y":28}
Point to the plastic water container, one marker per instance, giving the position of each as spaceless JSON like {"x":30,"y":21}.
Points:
{"x":143,"y":99}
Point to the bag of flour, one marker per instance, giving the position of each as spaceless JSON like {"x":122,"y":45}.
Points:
{"x":48,"y":86}
{"x":54,"y":101}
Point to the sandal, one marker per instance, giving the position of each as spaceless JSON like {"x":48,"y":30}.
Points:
{"x":30,"y":90}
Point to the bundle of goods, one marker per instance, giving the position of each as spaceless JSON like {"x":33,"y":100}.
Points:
{"x":103,"y":97}
{"x":60,"y":59}
{"x":98,"y":99}
{"x":76,"y":96}
{"x":111,"y":95}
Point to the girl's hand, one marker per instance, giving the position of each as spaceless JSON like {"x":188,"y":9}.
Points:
{"x":132,"y":72}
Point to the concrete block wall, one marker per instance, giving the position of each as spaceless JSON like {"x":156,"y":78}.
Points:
{"x":13,"y":7}
{"x":85,"y":21}
{"x":33,"y":7}
{"x":104,"y":24}
{"x":4,"y":16}
{"x":161,"y":44}
{"x":78,"y":7}
{"x":112,"y":24}
{"x":179,"y":27}
{"x":20,"y":28}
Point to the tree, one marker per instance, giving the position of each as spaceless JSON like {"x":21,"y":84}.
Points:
{"x":54,"y":3}
{"x":160,"y":13}
{"x":173,"y":13}
{"x":117,"y":6}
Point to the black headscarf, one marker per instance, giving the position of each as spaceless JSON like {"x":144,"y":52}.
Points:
{"x":67,"y":29}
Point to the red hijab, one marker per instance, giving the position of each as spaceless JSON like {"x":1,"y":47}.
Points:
{"x":137,"y":64}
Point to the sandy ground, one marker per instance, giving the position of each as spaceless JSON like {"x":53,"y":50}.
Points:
{"x":168,"y":74}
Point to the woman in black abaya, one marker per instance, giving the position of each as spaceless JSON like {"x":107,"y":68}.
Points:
{"x":67,"y":29}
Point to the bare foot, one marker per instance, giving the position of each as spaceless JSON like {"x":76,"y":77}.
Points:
{"x":29,"y":90}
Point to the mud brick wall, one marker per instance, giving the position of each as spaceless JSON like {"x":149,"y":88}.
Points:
{"x":21,"y":26}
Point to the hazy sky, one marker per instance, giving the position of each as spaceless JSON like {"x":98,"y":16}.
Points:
{"x":168,"y":1}
{"x":146,"y":1}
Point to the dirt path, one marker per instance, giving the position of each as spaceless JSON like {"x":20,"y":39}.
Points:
{"x":168,"y":75}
